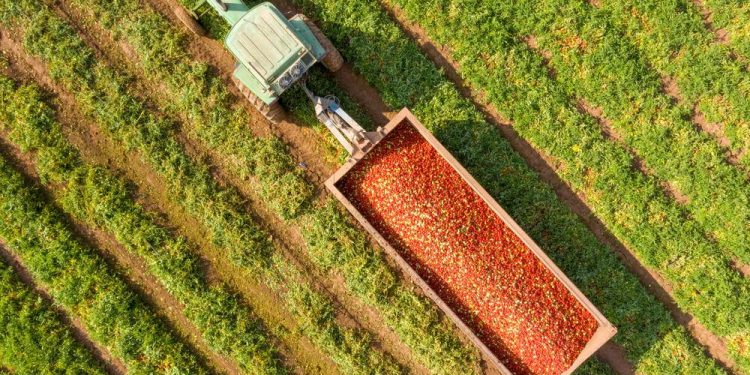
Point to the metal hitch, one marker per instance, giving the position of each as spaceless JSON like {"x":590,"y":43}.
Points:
{"x":348,"y":132}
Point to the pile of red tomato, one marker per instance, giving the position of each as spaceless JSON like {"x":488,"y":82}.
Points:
{"x":467,"y":254}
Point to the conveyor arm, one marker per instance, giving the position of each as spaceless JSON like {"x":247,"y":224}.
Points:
{"x":348,"y":132}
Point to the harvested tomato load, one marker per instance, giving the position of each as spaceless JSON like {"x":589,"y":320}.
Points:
{"x":468,"y":255}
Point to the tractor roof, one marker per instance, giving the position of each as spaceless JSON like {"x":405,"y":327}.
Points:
{"x":264,"y":41}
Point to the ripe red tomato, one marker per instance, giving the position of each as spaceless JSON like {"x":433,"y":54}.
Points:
{"x":467,"y":254}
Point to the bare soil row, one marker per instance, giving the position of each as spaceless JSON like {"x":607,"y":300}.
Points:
{"x":351,"y":311}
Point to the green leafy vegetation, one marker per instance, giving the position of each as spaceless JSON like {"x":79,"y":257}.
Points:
{"x":80,"y":280}
{"x":379,"y":51}
{"x":104,"y":201}
{"x":98,"y":198}
{"x":709,"y":79}
{"x":730,"y":20}
{"x":715,"y":194}
{"x":34,"y":339}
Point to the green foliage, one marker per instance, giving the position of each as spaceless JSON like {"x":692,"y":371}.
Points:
{"x":713,"y":82}
{"x":379,"y":51}
{"x":81,"y":281}
{"x":709,"y":76}
{"x":730,"y":18}
{"x":632,"y":205}
{"x":658,"y":131}
{"x":104,"y":201}
{"x":33,"y":338}
{"x":216,"y":123}
{"x":95,"y":196}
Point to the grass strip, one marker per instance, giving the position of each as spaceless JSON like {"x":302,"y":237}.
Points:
{"x":80,"y":280}
{"x":222,"y":127}
{"x":33,"y":338}
{"x":100,"y":199}
{"x":379,"y":51}
{"x":218,"y":209}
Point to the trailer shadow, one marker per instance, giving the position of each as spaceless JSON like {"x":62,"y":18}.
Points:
{"x":527,"y":186}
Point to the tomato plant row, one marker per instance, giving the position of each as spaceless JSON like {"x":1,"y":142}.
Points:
{"x":99,"y":199}
{"x":468,"y":255}
{"x":81,"y":281}
{"x":34,"y":339}
{"x":405,"y":77}
{"x":632,"y":204}
{"x":610,"y":73}
{"x":223,"y":128}
{"x":709,"y":77}
{"x":349,"y":348}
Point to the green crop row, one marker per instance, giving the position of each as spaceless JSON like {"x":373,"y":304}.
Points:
{"x":394,"y":65}
{"x":105,"y":203}
{"x":99,"y":199}
{"x":733,"y":18}
{"x":609,"y":72}
{"x":33,"y":338}
{"x":80,"y":280}
{"x":515,"y":80}
{"x":672,"y":37}
{"x":222,"y":127}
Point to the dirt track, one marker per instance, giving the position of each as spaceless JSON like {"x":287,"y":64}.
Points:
{"x":111,"y":365}
{"x":351,"y":312}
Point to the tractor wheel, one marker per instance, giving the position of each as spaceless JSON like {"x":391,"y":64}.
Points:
{"x":274,"y":112}
{"x":189,"y":22}
{"x":332,"y":60}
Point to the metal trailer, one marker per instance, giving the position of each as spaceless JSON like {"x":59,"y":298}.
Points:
{"x":273,"y":53}
{"x":605,"y":329}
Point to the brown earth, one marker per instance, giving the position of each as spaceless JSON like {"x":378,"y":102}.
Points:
{"x":111,"y":365}
{"x":132,"y":266}
{"x":351,"y":312}
{"x":97,"y":149}
{"x":721,"y":36}
{"x":742,"y":268}
{"x":713,"y":345}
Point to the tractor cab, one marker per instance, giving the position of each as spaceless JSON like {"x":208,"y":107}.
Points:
{"x":272,"y":53}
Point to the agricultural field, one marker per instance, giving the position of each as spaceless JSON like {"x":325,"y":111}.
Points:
{"x":153,"y":221}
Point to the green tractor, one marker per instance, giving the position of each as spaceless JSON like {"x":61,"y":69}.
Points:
{"x":271,"y":52}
